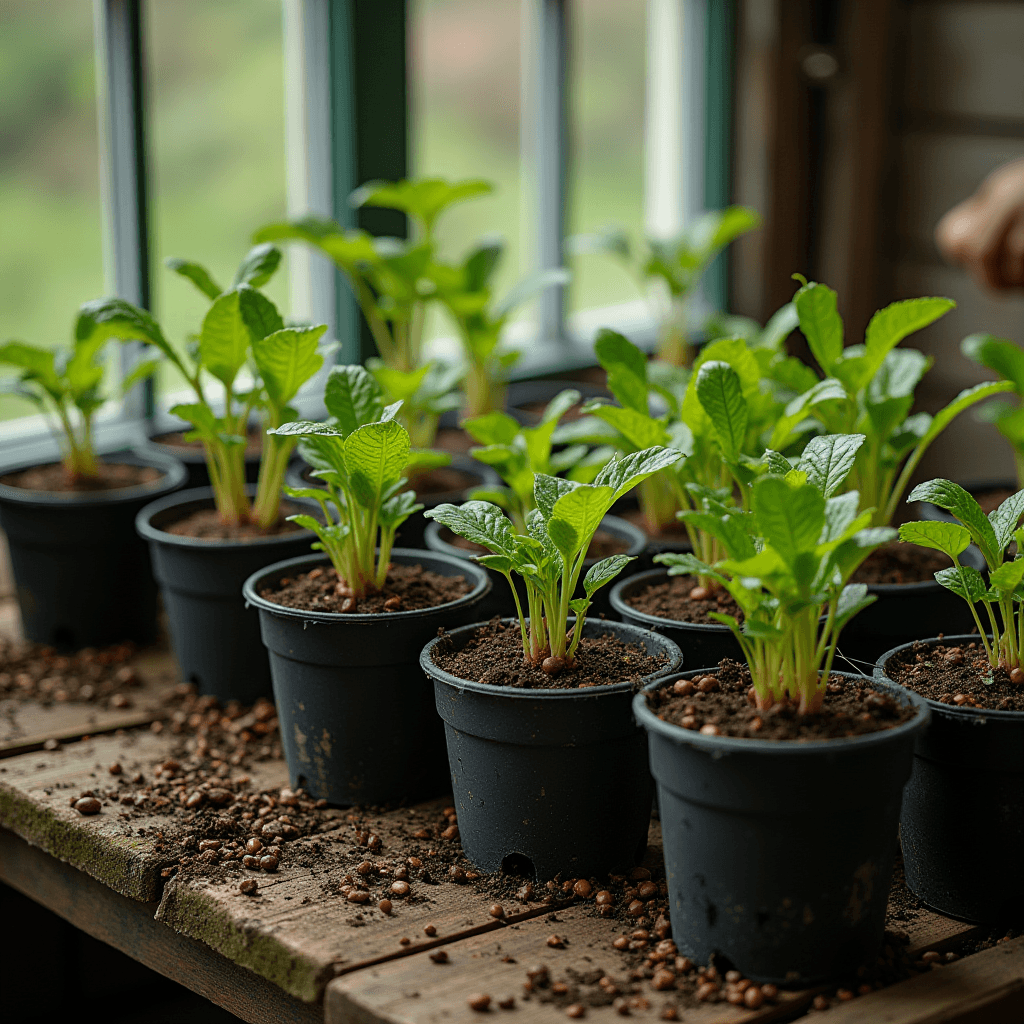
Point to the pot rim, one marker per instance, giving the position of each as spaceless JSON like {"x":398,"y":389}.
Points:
{"x":718,"y":745}
{"x":403,"y":555}
{"x":174,"y":474}
{"x":440,"y":675}
{"x":620,"y":606}
{"x":977,"y":714}
{"x":154,"y":535}
{"x":922,"y":586}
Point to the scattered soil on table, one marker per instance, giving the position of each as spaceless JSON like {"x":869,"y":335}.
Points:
{"x":101,"y":677}
{"x":407,"y":588}
{"x":720,"y":704}
{"x":901,"y":563}
{"x":959,"y":676}
{"x":176,"y":439}
{"x":671,"y":600}
{"x":444,"y":480}
{"x":495,"y":656}
{"x":205,"y":524}
{"x":603,"y":545}
{"x":671,"y":533}
{"x":113,"y":476}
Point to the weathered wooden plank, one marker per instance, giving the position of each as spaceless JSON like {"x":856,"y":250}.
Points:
{"x":129,"y":925}
{"x":986,"y":988}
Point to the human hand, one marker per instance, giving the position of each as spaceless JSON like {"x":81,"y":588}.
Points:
{"x":985,"y":233}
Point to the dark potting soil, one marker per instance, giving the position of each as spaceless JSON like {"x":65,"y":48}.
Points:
{"x":443,"y":480}
{"x":495,"y":656}
{"x":407,"y":588}
{"x":176,"y":439}
{"x":54,"y":477}
{"x":454,"y":439}
{"x":901,"y":563}
{"x":721,"y":702}
{"x":960,"y":676}
{"x":603,"y":545}
{"x":671,"y":600}
{"x":205,"y":524}
{"x":673,"y":532}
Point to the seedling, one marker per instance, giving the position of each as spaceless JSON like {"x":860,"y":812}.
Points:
{"x":788,"y":560}
{"x":676,"y":265}
{"x":65,"y":385}
{"x":519,"y":453}
{"x":549,"y":556}
{"x":1007,"y":359}
{"x":361,"y":456}
{"x":879,"y":380}
{"x":993,"y":534}
{"x":241,"y":330}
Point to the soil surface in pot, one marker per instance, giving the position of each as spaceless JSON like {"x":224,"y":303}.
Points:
{"x":959,"y":675}
{"x":495,"y":656}
{"x":454,"y":439}
{"x":176,"y":439}
{"x":407,"y":588}
{"x":442,"y":480}
{"x":674,"y":532}
{"x":673,"y":599}
{"x":720,"y":704}
{"x":901,"y":563}
{"x":603,"y":545}
{"x":205,"y":524}
{"x":54,"y":477}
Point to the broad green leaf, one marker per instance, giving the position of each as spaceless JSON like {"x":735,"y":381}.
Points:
{"x":201,"y":417}
{"x":530,"y":286}
{"x":781,"y":325}
{"x":37,"y":363}
{"x":287,"y":359}
{"x":423,"y":198}
{"x":900,"y":373}
{"x":776,"y":462}
{"x":604,"y":572}
{"x":353,"y":397}
{"x":797,"y":409}
{"x":963,"y":401}
{"x":261,"y":316}
{"x":827,"y":460}
{"x":308,"y":522}
{"x":548,"y":489}
{"x":889,"y":326}
{"x":953,"y":498}
{"x":730,"y":530}
{"x":1004,"y":519}
{"x":313,"y":493}
{"x":479,"y":266}
{"x":423,"y":459}
{"x":499,"y":563}
{"x":965,"y":581}
{"x":1007,"y":577}
{"x":626,"y":367}
{"x":714,"y":230}
{"x":1006,"y":358}
{"x":375,"y":455}
{"x":682,"y":563}
{"x":639,"y":429}
{"x":840,"y":517}
{"x":820,"y":323}
{"x":306,"y":428}
{"x":492,"y":428}
{"x":225,"y":338}
{"x":790,"y":518}
{"x":950,"y":538}
{"x":579,"y":605}
{"x":197,"y":274}
{"x":576,"y":516}
{"x":720,"y":393}
{"x":115,"y":318}
{"x":140,"y":371}
{"x":258,"y":267}
{"x":560,"y":405}
{"x":854,"y":598}
{"x":625,"y":473}
{"x":479,"y":522}
{"x":398,"y":508}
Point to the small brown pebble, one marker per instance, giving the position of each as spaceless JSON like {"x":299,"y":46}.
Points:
{"x":249,"y":886}
{"x":400,"y":888}
{"x":960,"y":699}
{"x":195,"y":799}
{"x":733,"y":976}
{"x":497,"y":910}
{"x":669,"y":1013}
{"x":209,"y":844}
{"x":709,"y":730}
{"x":621,"y":1005}
{"x":115,"y":769}
{"x":358,"y":896}
{"x":430,"y":930}
{"x":635,"y":909}
{"x":845,"y":994}
{"x":252,"y":845}
{"x":555,"y":942}
{"x":508,"y":1003}
{"x":1017,"y":676}
{"x":268,"y":862}
{"x":451,"y":832}
{"x":770,"y":991}
{"x":575,"y":1010}
{"x":688,"y":722}
{"x":951,"y":957}
{"x":478,"y":1001}
{"x":663,"y":980}
{"x":552,"y":666}
{"x":647,"y":890}
{"x":582,"y":888}
{"x":683,"y":687}
{"x":621,"y":942}
{"x":320,"y":804}
{"x":753,"y":997}
{"x":699,"y":593}
{"x":525,"y":893}
{"x":604,"y":898}
{"x":709,"y":684}
{"x":374,"y":843}
{"x":683,"y":965}
{"x":705,"y":991}
{"x":821,"y":1003}
{"x":250,"y":862}
{"x":87,"y":805}
{"x":559,"y":988}
{"x":219,"y":797}
{"x":384,"y":906}
{"x":52,"y":744}
{"x":365,"y":868}
{"x":931,"y":957}
{"x":392,"y":604}
{"x":439,"y":957}
{"x":404,"y":940}
{"x":457,"y":874}
{"x":639,"y":874}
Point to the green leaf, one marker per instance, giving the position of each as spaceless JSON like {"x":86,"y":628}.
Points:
{"x":201,"y":417}
{"x":639,"y":429}
{"x":308,"y":522}
{"x":782,"y":324}
{"x":499,"y":563}
{"x":140,"y":371}
{"x":889,"y":326}
{"x":375,"y":455}
{"x":1007,"y":577}
{"x":579,"y":605}
{"x":817,"y":308}
{"x":966,"y":398}
{"x":37,"y":363}
{"x":530,"y":286}
{"x":576,"y":516}
{"x":721,"y":394}
{"x":1005,"y":518}
{"x":683,"y":563}
{"x":950,"y":538}
{"x":115,"y":318}
{"x":626,"y":367}
{"x":258,"y":267}
{"x":286,"y":359}
{"x":790,"y":518}
{"x":233,"y":322}
{"x":827,"y":460}
{"x":398,"y":508}
{"x":841,"y":519}
{"x":953,"y":498}
{"x":998,"y":354}
{"x":196,"y":273}
{"x":965,"y":582}
{"x":423,"y":198}
{"x":479,"y":266}
{"x":480,"y":522}
{"x":854,"y":598}
{"x":548,"y":489}
{"x":730,"y":530}
{"x":796,"y":411}
{"x":353,"y":397}
{"x":560,"y":405}
{"x":604,"y":572}
{"x":624,"y":474}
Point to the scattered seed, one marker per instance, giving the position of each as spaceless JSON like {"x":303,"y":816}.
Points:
{"x":392,"y":604}
{"x":604,"y":898}
{"x":552,"y":666}
{"x":635,"y":909}
{"x":770,"y":991}
{"x":478,"y":1001}
{"x":575,"y":1010}
{"x":252,"y":845}
{"x":439,"y":957}
{"x":366,"y":868}
{"x":268,"y":862}
{"x":87,"y":805}
{"x":497,"y":910}
{"x":555,"y":942}
{"x":582,"y":888}
{"x":251,"y":862}
{"x":384,"y":906}
{"x":430,"y":929}
{"x":705,"y":991}
{"x":753,"y":997}
{"x":400,"y":888}
{"x":647,"y":890}
{"x":249,"y":886}
{"x":358,"y":896}
{"x":663,"y":980}
{"x":1017,"y":676}
{"x":621,"y":942}
{"x":683,"y":687}
{"x":451,"y":832}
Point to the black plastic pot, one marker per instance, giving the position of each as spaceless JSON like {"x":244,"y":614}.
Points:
{"x":216,"y":638}
{"x":410,"y":533}
{"x":556,"y":777}
{"x":192,"y":457}
{"x":926,"y":510}
{"x":903,"y":613}
{"x":357,"y":718}
{"x":501,"y":601}
{"x":703,"y":645}
{"x":778,"y":854}
{"x":82,"y":575}
{"x":962,"y":826}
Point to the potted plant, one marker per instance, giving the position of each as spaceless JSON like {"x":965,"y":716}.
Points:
{"x":669,"y":272}
{"x":82,"y":577}
{"x":779,"y":783}
{"x":545,"y":763}
{"x":964,"y":805}
{"x":206,"y":542}
{"x":880,"y":378}
{"x":373,"y":607}
{"x":517,"y":454}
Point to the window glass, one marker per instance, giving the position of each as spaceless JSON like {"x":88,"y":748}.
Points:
{"x":51,"y":259}
{"x":465,"y":95}
{"x":216,"y":146}
{"x":606,"y":98}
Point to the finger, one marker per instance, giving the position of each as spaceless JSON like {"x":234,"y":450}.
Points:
{"x":1012,"y":272}
{"x":954,"y":232}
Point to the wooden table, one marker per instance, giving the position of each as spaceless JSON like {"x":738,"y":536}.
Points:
{"x":293,"y":953}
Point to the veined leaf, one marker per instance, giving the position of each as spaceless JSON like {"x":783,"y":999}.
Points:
{"x":353,"y":397}
{"x":840,"y":516}
{"x":286,"y":359}
{"x":827,"y":460}
{"x":548,"y":489}
{"x":115,"y":318}
{"x":790,"y":518}
{"x":258,"y":267}
{"x":965,"y":582}
{"x":639,"y":429}
{"x":398,"y":508}
{"x":423,"y":198}
{"x":559,"y":406}
{"x":576,"y":516}
{"x":1007,"y":577}
{"x":889,"y":326}
{"x":854,"y":598}
{"x":683,"y":563}
{"x":626,"y":367}
{"x":720,"y":393}
{"x":604,"y":572}
{"x":950,"y":538}
{"x":624,"y":474}
{"x":1005,"y":518}
{"x":817,"y":308}
{"x":375,"y":455}
{"x":797,"y":410}
{"x":197,"y":274}
{"x":491,"y":428}
{"x":1006,"y":358}
{"x":953,"y":498}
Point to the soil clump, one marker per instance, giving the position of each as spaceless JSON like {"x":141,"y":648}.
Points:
{"x":55,"y":478}
{"x":672,"y":599}
{"x":206,"y":524}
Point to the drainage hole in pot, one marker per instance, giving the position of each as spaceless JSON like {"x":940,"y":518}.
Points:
{"x":518,"y":864}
